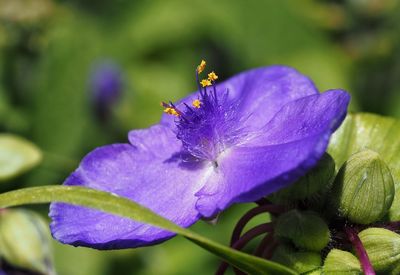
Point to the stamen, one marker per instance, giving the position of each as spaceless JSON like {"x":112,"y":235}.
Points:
{"x":208,"y":125}
{"x":196,"y":103}
{"x":205,"y":83}
{"x":201,"y":67}
{"x":212,"y":76}
{"x":170,"y":109}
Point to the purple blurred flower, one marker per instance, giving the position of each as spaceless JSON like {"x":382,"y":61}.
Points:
{"x":229,"y":143}
{"x":106,"y":85}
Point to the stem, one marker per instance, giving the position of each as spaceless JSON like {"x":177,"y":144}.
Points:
{"x":262,"y":201}
{"x":269,"y":250}
{"x":247,"y":237}
{"x":394,"y":226}
{"x":360,"y":250}
{"x":267,"y":246}
{"x":264,"y":244}
{"x":237,"y":231}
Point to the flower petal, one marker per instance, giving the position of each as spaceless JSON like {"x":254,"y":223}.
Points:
{"x":148,"y":172}
{"x":261,"y":93}
{"x":293,"y":142}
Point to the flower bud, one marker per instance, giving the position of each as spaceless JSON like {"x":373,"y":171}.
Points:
{"x":382,"y":246}
{"x":317,"y":179}
{"x":341,"y":262}
{"x":17,"y":156}
{"x":363,"y":190}
{"x":25,"y":241}
{"x":305,"y":229}
{"x":301,"y":261}
{"x":394,"y":211}
{"x":106,"y":87}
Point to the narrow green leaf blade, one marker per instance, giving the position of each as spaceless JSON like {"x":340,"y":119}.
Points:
{"x":126,"y":208}
{"x":16,"y":156}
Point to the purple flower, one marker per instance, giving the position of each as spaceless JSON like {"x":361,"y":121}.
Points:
{"x":228,"y":143}
{"x":106,"y":85}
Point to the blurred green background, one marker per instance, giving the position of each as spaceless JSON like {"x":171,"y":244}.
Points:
{"x":49,"y":51}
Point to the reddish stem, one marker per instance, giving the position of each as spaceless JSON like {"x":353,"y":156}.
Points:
{"x":264,"y":244}
{"x":247,"y":237}
{"x":269,"y":250}
{"x":394,"y":226}
{"x":262,"y":201}
{"x":271,"y":208}
{"x":360,"y":250}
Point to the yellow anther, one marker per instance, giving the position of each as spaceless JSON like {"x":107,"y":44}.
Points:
{"x":201,"y":67}
{"x":212,"y":76}
{"x":196,"y":103}
{"x":205,"y":83}
{"x":171,"y":111}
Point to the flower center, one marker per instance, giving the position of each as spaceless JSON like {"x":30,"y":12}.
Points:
{"x":210,"y":125}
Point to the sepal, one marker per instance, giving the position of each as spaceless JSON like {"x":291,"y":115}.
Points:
{"x":305,"y":229}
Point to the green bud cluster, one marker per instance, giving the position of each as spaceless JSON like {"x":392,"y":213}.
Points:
{"x":361,"y":194}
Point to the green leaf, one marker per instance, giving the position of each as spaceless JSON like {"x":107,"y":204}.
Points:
{"x":126,"y":208}
{"x":17,"y":155}
{"x":377,"y":133}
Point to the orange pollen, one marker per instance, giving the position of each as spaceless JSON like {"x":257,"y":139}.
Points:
{"x":171,"y":111}
{"x":212,"y":76}
{"x":196,"y":103}
{"x":205,"y":83}
{"x":201,"y":67}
